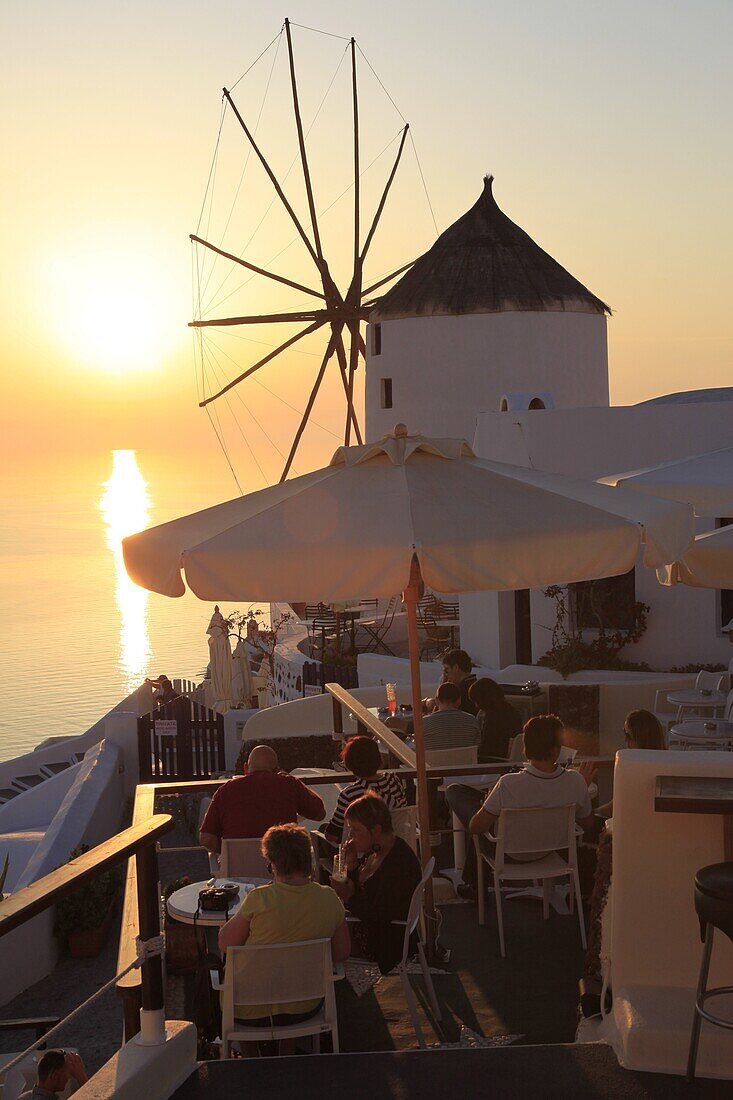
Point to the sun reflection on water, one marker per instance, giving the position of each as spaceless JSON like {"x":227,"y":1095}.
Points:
{"x":125,"y":507}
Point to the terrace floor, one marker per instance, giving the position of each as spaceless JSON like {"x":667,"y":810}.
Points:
{"x":532,"y":993}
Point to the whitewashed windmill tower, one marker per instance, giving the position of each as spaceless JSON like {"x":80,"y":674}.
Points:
{"x":485,"y":319}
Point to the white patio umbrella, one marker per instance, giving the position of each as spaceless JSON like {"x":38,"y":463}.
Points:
{"x":708,"y":564}
{"x":388,"y":516}
{"x":705,"y":481}
{"x":220,"y":662}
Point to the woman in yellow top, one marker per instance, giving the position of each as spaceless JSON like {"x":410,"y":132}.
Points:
{"x":289,"y":909}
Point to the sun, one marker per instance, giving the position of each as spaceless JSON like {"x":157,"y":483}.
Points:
{"x":114,"y":309}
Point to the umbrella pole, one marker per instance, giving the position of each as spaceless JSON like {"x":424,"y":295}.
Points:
{"x":410,"y":597}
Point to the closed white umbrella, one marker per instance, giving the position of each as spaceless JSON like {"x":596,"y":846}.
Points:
{"x":705,"y":481}
{"x":387,"y":516}
{"x":220,"y":662}
{"x":708,"y":564}
{"x":241,"y":689}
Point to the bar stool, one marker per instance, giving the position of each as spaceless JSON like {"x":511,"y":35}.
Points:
{"x":714,"y":908}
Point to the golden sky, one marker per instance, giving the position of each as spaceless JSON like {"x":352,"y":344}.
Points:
{"x":607,"y":129}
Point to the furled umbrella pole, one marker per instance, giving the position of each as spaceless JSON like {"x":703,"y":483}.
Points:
{"x":389,"y":516}
{"x":220,"y":662}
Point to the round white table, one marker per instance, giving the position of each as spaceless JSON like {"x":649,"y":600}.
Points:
{"x":710,"y":700}
{"x":184,"y":903}
{"x":688,"y":733}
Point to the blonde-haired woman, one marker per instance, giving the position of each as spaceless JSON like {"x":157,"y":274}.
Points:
{"x":290,"y":908}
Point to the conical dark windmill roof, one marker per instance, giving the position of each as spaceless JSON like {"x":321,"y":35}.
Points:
{"x":484,"y":263}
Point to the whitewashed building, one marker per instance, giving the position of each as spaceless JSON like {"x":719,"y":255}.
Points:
{"x":489,"y":338}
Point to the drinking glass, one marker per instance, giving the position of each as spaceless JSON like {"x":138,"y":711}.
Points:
{"x":340,"y":871}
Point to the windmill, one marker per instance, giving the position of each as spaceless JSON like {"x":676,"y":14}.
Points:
{"x":338,"y":312}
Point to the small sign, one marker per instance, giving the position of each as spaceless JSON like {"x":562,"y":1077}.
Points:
{"x":166,"y":727}
{"x":311,"y":689}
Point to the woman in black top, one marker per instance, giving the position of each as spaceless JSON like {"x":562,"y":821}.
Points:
{"x":383,"y":874}
{"x":498,"y":720}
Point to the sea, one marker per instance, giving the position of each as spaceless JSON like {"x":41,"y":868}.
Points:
{"x":77,"y":634}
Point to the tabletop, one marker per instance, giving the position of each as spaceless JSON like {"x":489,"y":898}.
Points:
{"x":182,"y":905}
{"x":697,"y":698}
{"x":692,"y":729}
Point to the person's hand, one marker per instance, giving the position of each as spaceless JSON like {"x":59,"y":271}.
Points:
{"x":588,"y":769}
{"x":428,"y":705}
{"x":75,"y":1067}
{"x":344,"y":890}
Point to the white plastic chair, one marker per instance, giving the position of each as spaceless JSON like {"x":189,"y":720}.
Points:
{"x":243,"y":858}
{"x":435,"y":758}
{"x":541,"y":831}
{"x":666,"y":717}
{"x":412,"y":923}
{"x":404,"y":825}
{"x":279,"y":974}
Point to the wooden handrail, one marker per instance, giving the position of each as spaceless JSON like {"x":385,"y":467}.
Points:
{"x":40,"y":895}
{"x":143,"y":809}
{"x":395,"y":745}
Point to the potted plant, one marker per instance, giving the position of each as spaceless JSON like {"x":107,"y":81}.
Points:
{"x":84,"y":916}
{"x":183,"y":942}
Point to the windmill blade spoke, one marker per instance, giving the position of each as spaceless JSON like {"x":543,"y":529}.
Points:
{"x":383,"y":200}
{"x":344,"y":371}
{"x":353,"y":364}
{"x":355,"y":101}
{"x":276,"y":185}
{"x":387,"y":278}
{"x":262,"y":319}
{"x":257,"y":270}
{"x":301,"y":144}
{"x":330,"y":348}
{"x":261,"y":363}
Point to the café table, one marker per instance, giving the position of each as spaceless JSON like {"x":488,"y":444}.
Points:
{"x":698,"y":794}
{"x":452,"y":624}
{"x":697,"y":700}
{"x":183,"y":906}
{"x":702,"y":730}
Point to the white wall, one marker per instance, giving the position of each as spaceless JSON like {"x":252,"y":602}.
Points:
{"x":684,"y":623}
{"x":445,"y":370}
{"x":655,"y":936}
{"x":89,"y":813}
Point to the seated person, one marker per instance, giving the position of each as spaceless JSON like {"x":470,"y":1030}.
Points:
{"x":449,"y":727}
{"x":498,"y":720}
{"x":163,"y":692}
{"x":383,"y":874}
{"x":457,"y":667}
{"x":55,"y":1069}
{"x":542,"y":782}
{"x":360,"y":755}
{"x":642,"y":730}
{"x":289,"y":909}
{"x":249,"y":804}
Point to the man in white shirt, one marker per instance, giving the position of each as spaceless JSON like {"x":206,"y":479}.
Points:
{"x":542,"y":782}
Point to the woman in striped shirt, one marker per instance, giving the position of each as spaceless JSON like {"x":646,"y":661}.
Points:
{"x":361,"y":756}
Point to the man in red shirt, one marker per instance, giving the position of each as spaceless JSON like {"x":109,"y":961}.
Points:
{"x":249,"y":804}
